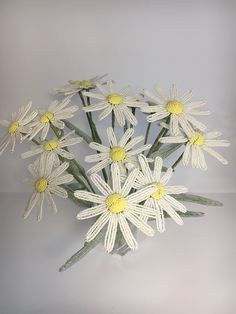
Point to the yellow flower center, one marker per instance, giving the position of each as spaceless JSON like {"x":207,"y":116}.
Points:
{"x":159,"y":193}
{"x":50,"y":145}
{"x":41,"y":185}
{"x":115,"y":99}
{"x":197,"y":139}
{"x":117,"y":153}
{"x":84,"y":83}
{"x":115,"y":203}
{"x":13,"y":127}
{"x":46,"y":117}
{"x":175,"y":107}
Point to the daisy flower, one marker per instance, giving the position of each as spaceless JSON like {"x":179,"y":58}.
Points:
{"x":118,"y":102}
{"x":54,"y":147}
{"x":179,"y":109}
{"x":17,"y":127}
{"x":160,"y":200}
{"x":56,"y":112}
{"x":46,"y":182}
{"x":116,"y":206}
{"x":76,"y":86}
{"x":196,"y":144}
{"x":121,"y":153}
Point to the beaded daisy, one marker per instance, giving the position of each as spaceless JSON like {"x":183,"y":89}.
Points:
{"x":54,"y":147}
{"x":118,"y":102}
{"x":180,"y":111}
{"x":46,"y":181}
{"x":117,"y":206}
{"x":120,"y":152}
{"x":76,"y":86}
{"x":196,"y":143}
{"x":17,"y":127}
{"x":56,"y":112}
{"x":161,"y":199}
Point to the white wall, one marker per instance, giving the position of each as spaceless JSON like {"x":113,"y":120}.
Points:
{"x":191,"y":43}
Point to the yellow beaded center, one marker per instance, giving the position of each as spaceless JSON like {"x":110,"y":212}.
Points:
{"x":115,"y":99}
{"x":117,"y":153}
{"x":159,"y":193}
{"x":50,"y":145}
{"x":115,"y":203}
{"x":84,"y":83}
{"x":197,"y":139}
{"x":175,"y":107}
{"x":46,"y":117}
{"x":13,"y":127}
{"x":41,"y":185}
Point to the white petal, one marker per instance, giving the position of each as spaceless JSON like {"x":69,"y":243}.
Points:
{"x":110,"y":236}
{"x":175,"y":189}
{"x":213,"y":153}
{"x":173,"y":202}
{"x":115,"y":174}
{"x":91,"y":212}
{"x":90,"y":197}
{"x":59,"y":191}
{"x":103,"y":187}
{"x":98,"y":226}
{"x":171,"y":212}
{"x":111,"y":137}
{"x":141,"y":225}
{"x":125,"y":229}
{"x":31,"y":203}
{"x":166,"y":177}
{"x":127,"y":135}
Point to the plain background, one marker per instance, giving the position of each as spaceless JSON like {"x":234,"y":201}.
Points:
{"x":43,"y":44}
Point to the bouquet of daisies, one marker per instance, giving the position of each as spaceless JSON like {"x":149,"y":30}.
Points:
{"x":127,"y":185}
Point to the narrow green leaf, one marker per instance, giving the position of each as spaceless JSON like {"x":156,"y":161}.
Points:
{"x":88,"y":246}
{"x":196,"y":199}
{"x":165,"y":151}
{"x":79,"y":132}
{"x":190,"y":214}
{"x":75,"y":199}
{"x":75,"y":186}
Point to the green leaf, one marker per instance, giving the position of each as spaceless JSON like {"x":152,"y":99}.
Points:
{"x":190,"y":214}
{"x":167,"y":150}
{"x":79,"y":132}
{"x":196,"y":199}
{"x":75,"y":186}
{"x":88,"y":246}
{"x":75,"y":199}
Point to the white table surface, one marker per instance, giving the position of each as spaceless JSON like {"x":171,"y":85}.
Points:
{"x":189,"y":269}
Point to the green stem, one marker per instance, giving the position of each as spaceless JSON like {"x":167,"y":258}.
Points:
{"x":81,"y":169}
{"x":95,"y":135}
{"x":177,"y":161}
{"x":35,"y":141}
{"x":156,"y":145}
{"x":113,"y":120}
{"x":147,"y":133}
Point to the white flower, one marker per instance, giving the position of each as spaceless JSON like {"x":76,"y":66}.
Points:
{"x":196,"y":144}
{"x":118,"y":102}
{"x":116,"y":206}
{"x":46,"y":182}
{"x":56,"y":112}
{"x":54,"y":147}
{"x":76,"y":86}
{"x":161,"y":200}
{"x":178,"y":108}
{"x":120,"y":152}
{"x":17,"y":127}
